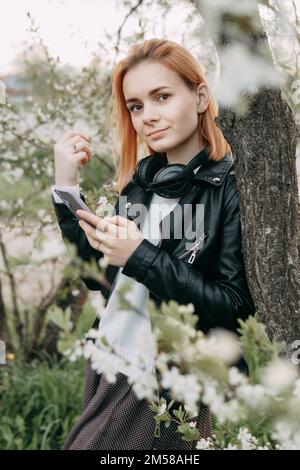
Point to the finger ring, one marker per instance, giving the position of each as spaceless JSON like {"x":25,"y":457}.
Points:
{"x":75,"y":146}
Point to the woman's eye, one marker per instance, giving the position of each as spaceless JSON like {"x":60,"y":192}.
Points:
{"x":163,"y":95}
{"x":132,"y":107}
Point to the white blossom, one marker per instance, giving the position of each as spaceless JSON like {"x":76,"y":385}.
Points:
{"x":248,"y":442}
{"x":162,"y":361}
{"x":255,"y":396}
{"x":74,"y":353}
{"x":143,"y":383}
{"x":189,"y":308}
{"x":189,"y":330}
{"x":279,"y":376}
{"x":242,"y":71}
{"x":93,"y":333}
{"x":102,"y":200}
{"x":205,"y":444}
{"x":235,"y":377}
{"x":103,"y":361}
{"x":184,"y":387}
{"x":220,"y":345}
{"x":231,"y":447}
{"x":287,"y":435}
{"x":102,"y":262}
{"x":98,"y":304}
{"x":161,"y":409}
{"x":147,"y":347}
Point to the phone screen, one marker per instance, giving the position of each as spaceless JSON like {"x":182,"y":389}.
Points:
{"x":73,"y":202}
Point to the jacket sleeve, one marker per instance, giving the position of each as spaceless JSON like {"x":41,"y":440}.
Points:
{"x":72,"y":232}
{"x":218,"y":301}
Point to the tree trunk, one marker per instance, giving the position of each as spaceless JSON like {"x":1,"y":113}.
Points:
{"x":263,"y":141}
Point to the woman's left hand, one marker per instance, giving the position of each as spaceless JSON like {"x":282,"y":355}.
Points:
{"x":116,"y":236}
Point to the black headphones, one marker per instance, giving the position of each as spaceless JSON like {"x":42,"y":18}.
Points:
{"x":154,"y":174}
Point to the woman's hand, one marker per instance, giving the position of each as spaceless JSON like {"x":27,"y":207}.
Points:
{"x":72,"y":150}
{"x":116,"y":236}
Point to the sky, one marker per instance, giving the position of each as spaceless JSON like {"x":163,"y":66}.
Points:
{"x":70,"y":28}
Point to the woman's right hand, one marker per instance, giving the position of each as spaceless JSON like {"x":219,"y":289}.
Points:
{"x":68,"y":159}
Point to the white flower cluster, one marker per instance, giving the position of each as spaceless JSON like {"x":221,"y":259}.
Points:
{"x":185,"y":388}
{"x":220,"y":345}
{"x":286,"y":435}
{"x":205,"y":444}
{"x":201,"y":373}
{"x":98,"y":304}
{"x":224,"y":408}
{"x":104,"y":360}
{"x":279,"y":376}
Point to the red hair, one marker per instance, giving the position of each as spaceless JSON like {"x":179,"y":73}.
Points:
{"x":177,"y":58}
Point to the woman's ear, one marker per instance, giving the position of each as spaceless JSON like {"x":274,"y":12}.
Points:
{"x":203,"y":97}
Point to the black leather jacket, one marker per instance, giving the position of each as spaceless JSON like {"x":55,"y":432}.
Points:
{"x":215,"y":281}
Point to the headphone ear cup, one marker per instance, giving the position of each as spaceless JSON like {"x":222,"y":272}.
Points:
{"x":147,"y":169}
{"x":170,"y":172}
{"x":169,"y":181}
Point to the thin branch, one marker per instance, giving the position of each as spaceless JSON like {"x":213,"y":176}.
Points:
{"x":12,"y":282}
{"x":132,"y":10}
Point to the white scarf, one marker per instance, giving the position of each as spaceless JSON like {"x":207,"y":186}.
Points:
{"x":127,"y":330}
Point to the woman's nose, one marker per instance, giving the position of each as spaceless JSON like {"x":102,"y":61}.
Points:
{"x":149,"y":114}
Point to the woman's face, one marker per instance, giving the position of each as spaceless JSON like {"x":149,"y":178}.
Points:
{"x":173,"y":107}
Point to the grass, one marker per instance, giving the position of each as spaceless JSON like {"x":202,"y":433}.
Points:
{"x":39,"y":402}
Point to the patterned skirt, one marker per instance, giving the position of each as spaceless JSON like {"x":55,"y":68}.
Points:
{"x":114,"y":418}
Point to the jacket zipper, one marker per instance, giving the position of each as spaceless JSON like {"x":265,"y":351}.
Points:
{"x":193,"y":249}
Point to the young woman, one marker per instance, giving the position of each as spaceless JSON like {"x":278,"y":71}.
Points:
{"x":163,"y":101}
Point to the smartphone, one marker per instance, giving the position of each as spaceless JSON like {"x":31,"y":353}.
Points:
{"x":73,"y":202}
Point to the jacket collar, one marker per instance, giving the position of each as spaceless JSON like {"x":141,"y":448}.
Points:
{"x":215,"y":172}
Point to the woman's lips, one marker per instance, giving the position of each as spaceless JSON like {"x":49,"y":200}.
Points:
{"x":158,"y":133}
